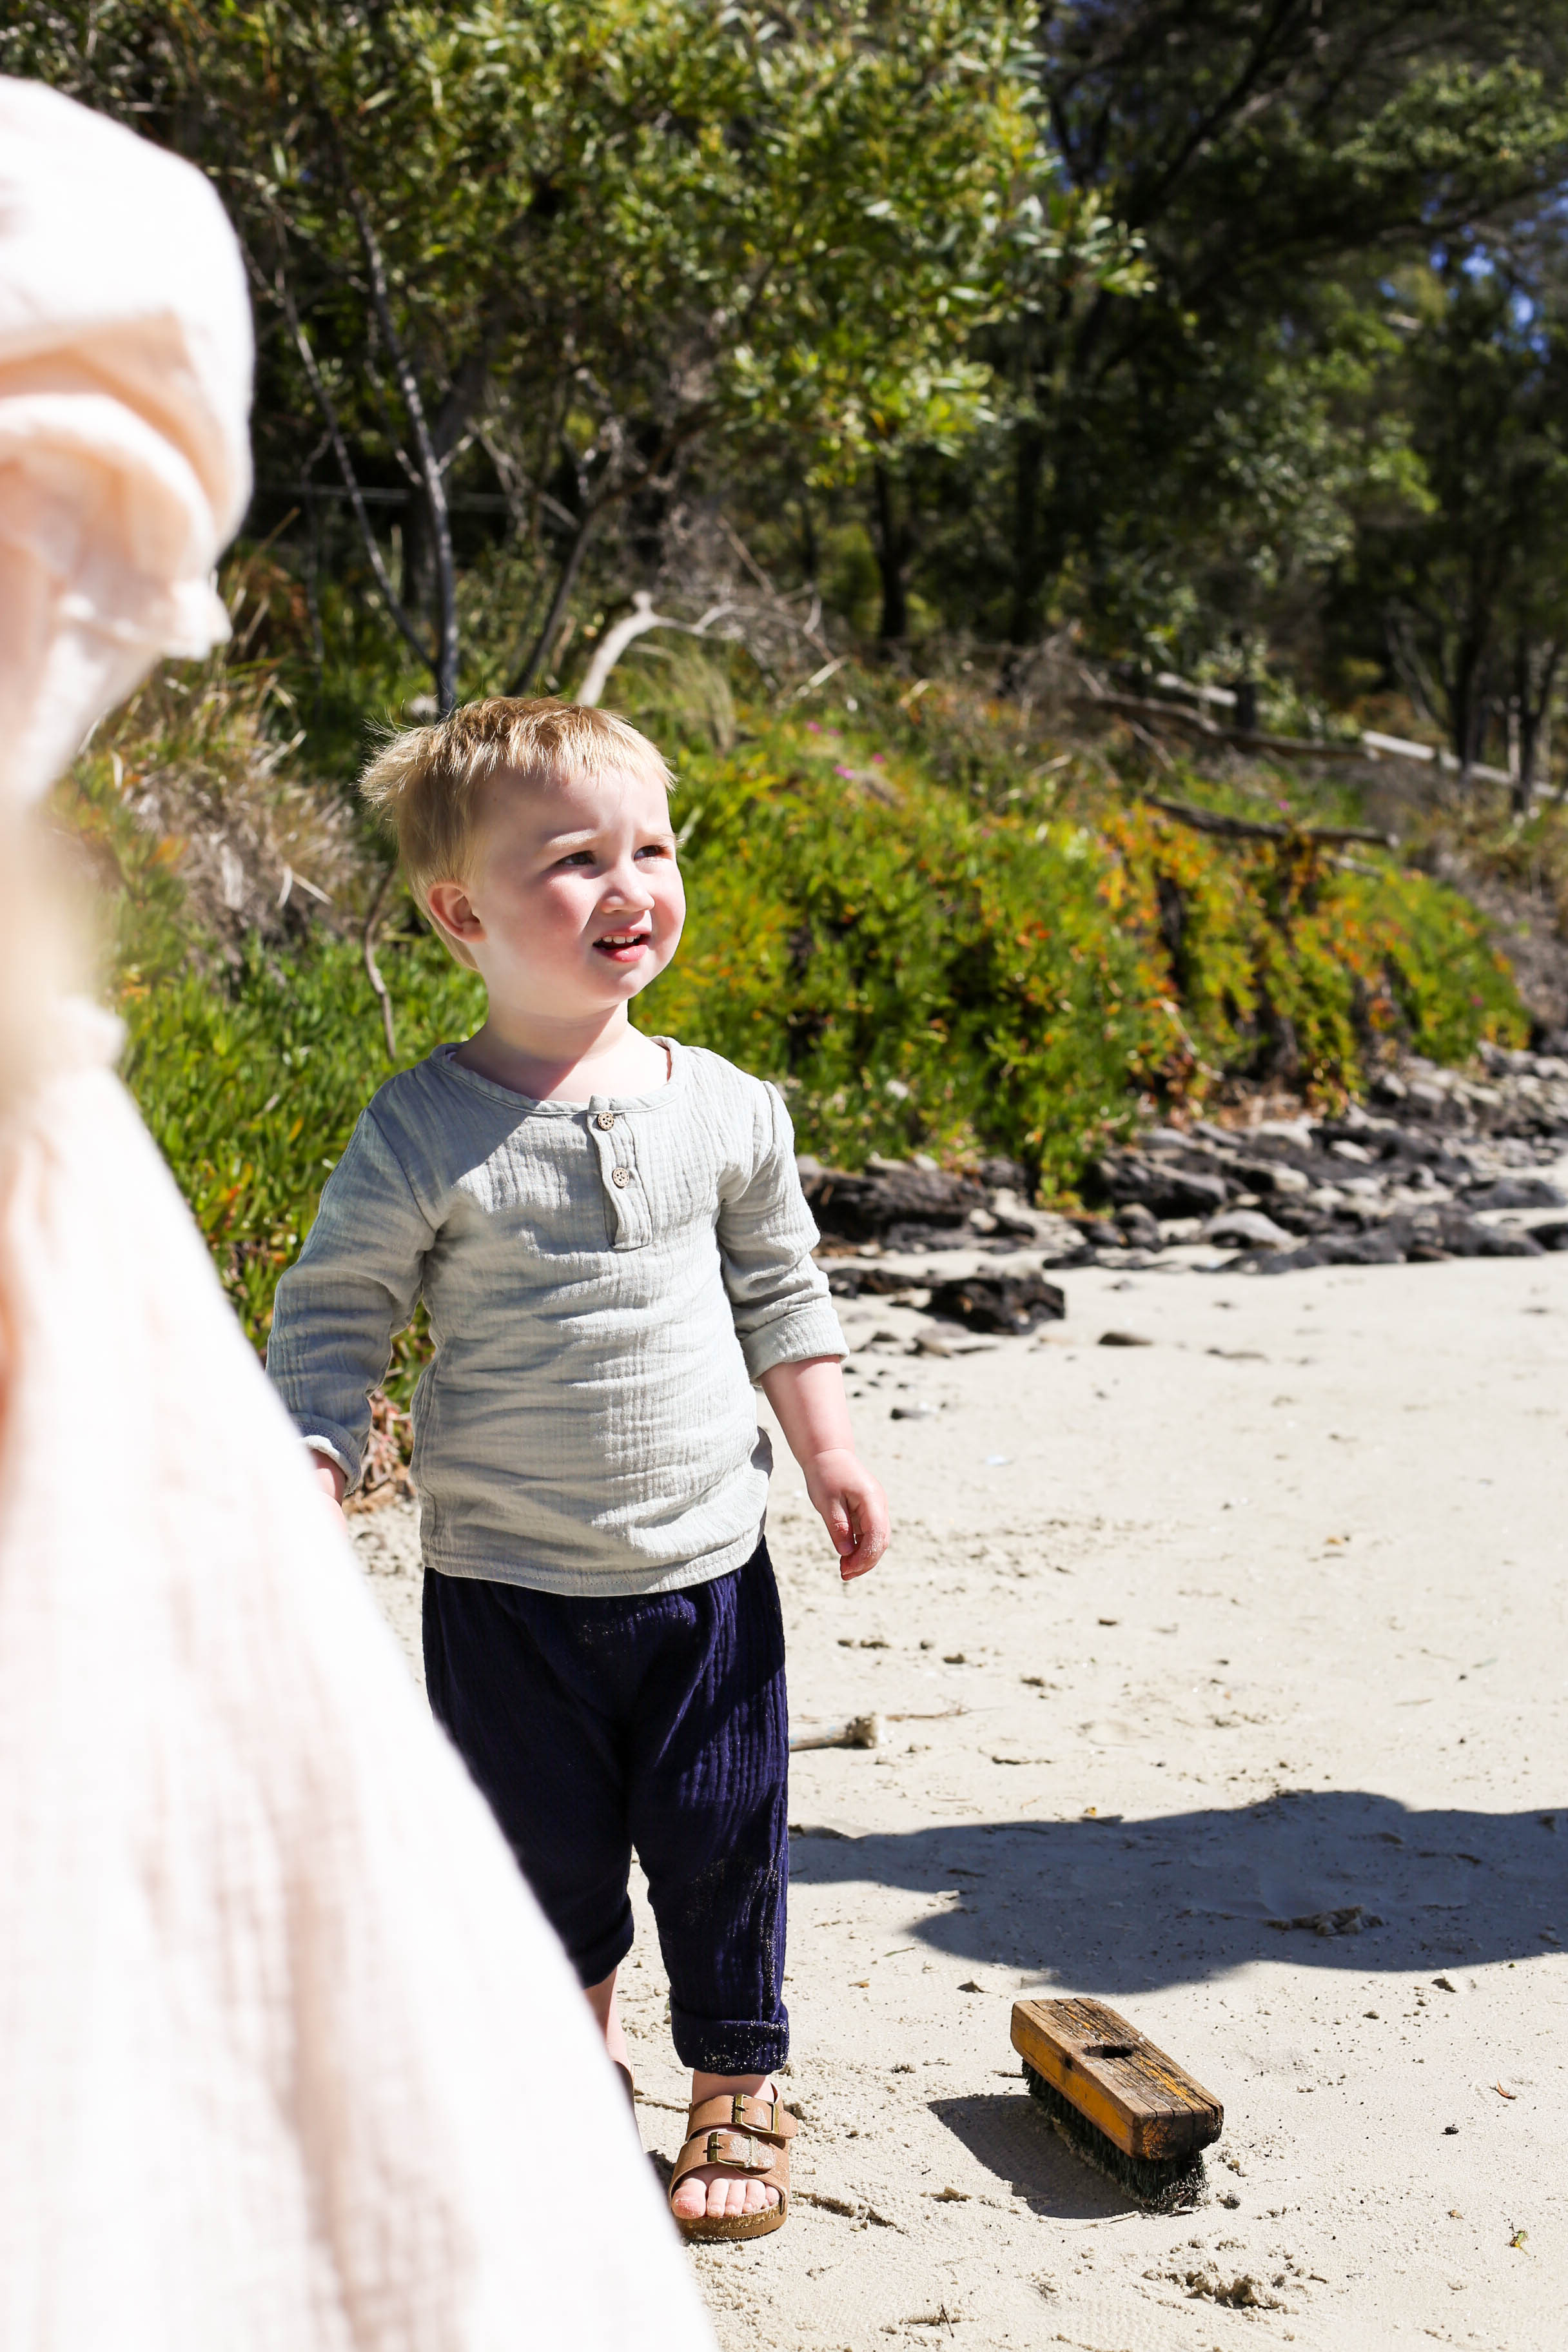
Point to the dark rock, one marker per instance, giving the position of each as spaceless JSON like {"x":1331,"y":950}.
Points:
{"x":1098,"y":1234}
{"x":1245,"y":1229}
{"x":999,"y":1302}
{"x":862,"y":1208}
{"x":856,"y":1279}
{"x":1306,"y":1223}
{"x":1451,"y":1231}
{"x":1164,"y":1190}
{"x":1410,"y":1144}
{"x":907,"y":1237}
{"x":1514,"y":1193}
{"x":1551,"y":1237}
{"x":1123,"y":1339}
{"x":1056,"y":1261}
{"x":1140,"y":1228}
{"x":1424,"y":1100}
{"x":1276,"y":1179}
{"x":1379,"y":1247}
{"x":1005,"y":1176}
{"x":1514,"y":1244}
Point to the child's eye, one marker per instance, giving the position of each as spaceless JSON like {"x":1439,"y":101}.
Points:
{"x":655,"y":849}
{"x":576,"y":858}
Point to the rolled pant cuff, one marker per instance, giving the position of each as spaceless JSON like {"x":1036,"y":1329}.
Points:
{"x":603,"y":1958}
{"x":729,"y":2046}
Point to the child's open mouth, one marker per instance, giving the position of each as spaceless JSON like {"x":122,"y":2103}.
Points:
{"x":623,"y":946}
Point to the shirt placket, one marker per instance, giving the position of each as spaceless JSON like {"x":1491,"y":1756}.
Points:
{"x":617,"y":1145}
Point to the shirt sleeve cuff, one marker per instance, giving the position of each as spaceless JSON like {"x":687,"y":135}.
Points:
{"x":798,"y":1335}
{"x":338,"y":1447}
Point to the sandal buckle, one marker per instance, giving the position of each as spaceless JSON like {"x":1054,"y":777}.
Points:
{"x":738,"y":2110}
{"x":722,"y":2149}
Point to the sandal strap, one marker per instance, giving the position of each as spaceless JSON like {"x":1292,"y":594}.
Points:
{"x":762,"y":2119}
{"x":739,"y":2150}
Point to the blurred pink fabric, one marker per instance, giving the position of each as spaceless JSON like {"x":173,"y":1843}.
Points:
{"x":288,"y":2058}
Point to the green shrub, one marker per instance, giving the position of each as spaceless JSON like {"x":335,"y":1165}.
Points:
{"x":926,"y":971}
{"x":929,"y":948}
{"x":252,"y":1081}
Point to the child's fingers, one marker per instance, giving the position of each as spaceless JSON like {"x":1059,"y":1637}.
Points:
{"x":871,"y":1536}
{"x":835,"y":1519}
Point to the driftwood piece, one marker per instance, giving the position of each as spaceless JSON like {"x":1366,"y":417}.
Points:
{"x":1370,"y":747}
{"x":1196,"y":722}
{"x":1245,"y":828}
{"x":625,"y":632}
{"x":860,"y":1731}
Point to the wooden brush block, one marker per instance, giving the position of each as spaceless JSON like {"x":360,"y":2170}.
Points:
{"x":1143,"y":2101}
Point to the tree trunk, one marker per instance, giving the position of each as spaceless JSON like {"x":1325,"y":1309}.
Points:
{"x":1535,"y":680}
{"x":405,"y":621}
{"x":893,"y":541}
{"x":417,"y":574}
{"x":810,"y":558}
{"x":432,"y":473}
{"x":1028,"y":459}
{"x":446,"y":603}
{"x":1471,"y":702}
{"x":538,"y":660}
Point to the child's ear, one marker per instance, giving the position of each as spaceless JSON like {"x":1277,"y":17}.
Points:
{"x":451,"y":911}
{"x":450,"y":906}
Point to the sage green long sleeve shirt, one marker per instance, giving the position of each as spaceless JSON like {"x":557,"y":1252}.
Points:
{"x":604,"y":1285}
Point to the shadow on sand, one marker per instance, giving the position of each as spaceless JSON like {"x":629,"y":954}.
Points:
{"x":1115,"y":1907}
{"x":1107,"y":1906}
{"x":1009,"y":2134}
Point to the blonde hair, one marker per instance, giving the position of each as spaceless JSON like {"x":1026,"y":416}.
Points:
{"x":425,"y":782}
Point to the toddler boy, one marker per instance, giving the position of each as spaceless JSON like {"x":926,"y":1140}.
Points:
{"x":609,"y":1234}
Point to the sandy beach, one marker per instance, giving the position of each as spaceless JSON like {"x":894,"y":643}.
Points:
{"x":1259,"y":1622}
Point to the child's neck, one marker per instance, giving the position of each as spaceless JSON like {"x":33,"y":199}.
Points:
{"x":564,"y":1061}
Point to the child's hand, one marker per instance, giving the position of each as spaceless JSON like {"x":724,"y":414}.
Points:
{"x":331,"y":1481}
{"x":853,"y":1508}
{"x":808,"y":1399}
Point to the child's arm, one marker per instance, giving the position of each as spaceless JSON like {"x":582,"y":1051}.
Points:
{"x":810,"y":1403}
{"x":789,"y":1334}
{"x":354,"y":1283}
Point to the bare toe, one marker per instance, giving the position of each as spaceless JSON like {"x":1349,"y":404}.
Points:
{"x":716,"y":2192}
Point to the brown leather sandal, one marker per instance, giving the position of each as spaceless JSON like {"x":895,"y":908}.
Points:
{"x":752,"y":2135}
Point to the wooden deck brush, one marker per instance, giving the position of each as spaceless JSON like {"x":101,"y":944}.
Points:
{"x":1115,"y":2098}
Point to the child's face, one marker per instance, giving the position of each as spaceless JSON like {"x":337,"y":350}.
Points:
{"x":575,"y":902}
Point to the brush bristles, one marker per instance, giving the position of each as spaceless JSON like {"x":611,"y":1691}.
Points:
{"x":1169,"y":2182}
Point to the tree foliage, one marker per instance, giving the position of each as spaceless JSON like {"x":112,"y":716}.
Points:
{"x":981,"y":318}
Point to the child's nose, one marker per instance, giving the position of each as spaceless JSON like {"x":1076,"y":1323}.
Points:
{"x":627,"y":887}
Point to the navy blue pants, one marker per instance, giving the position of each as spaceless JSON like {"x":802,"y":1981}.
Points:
{"x":596,"y":1726}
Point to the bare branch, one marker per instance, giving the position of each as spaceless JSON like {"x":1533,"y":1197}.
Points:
{"x":373,"y":970}
{"x":278,"y":288}
{"x":636,"y":624}
{"x":1241,"y":828}
{"x":430,"y":468}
